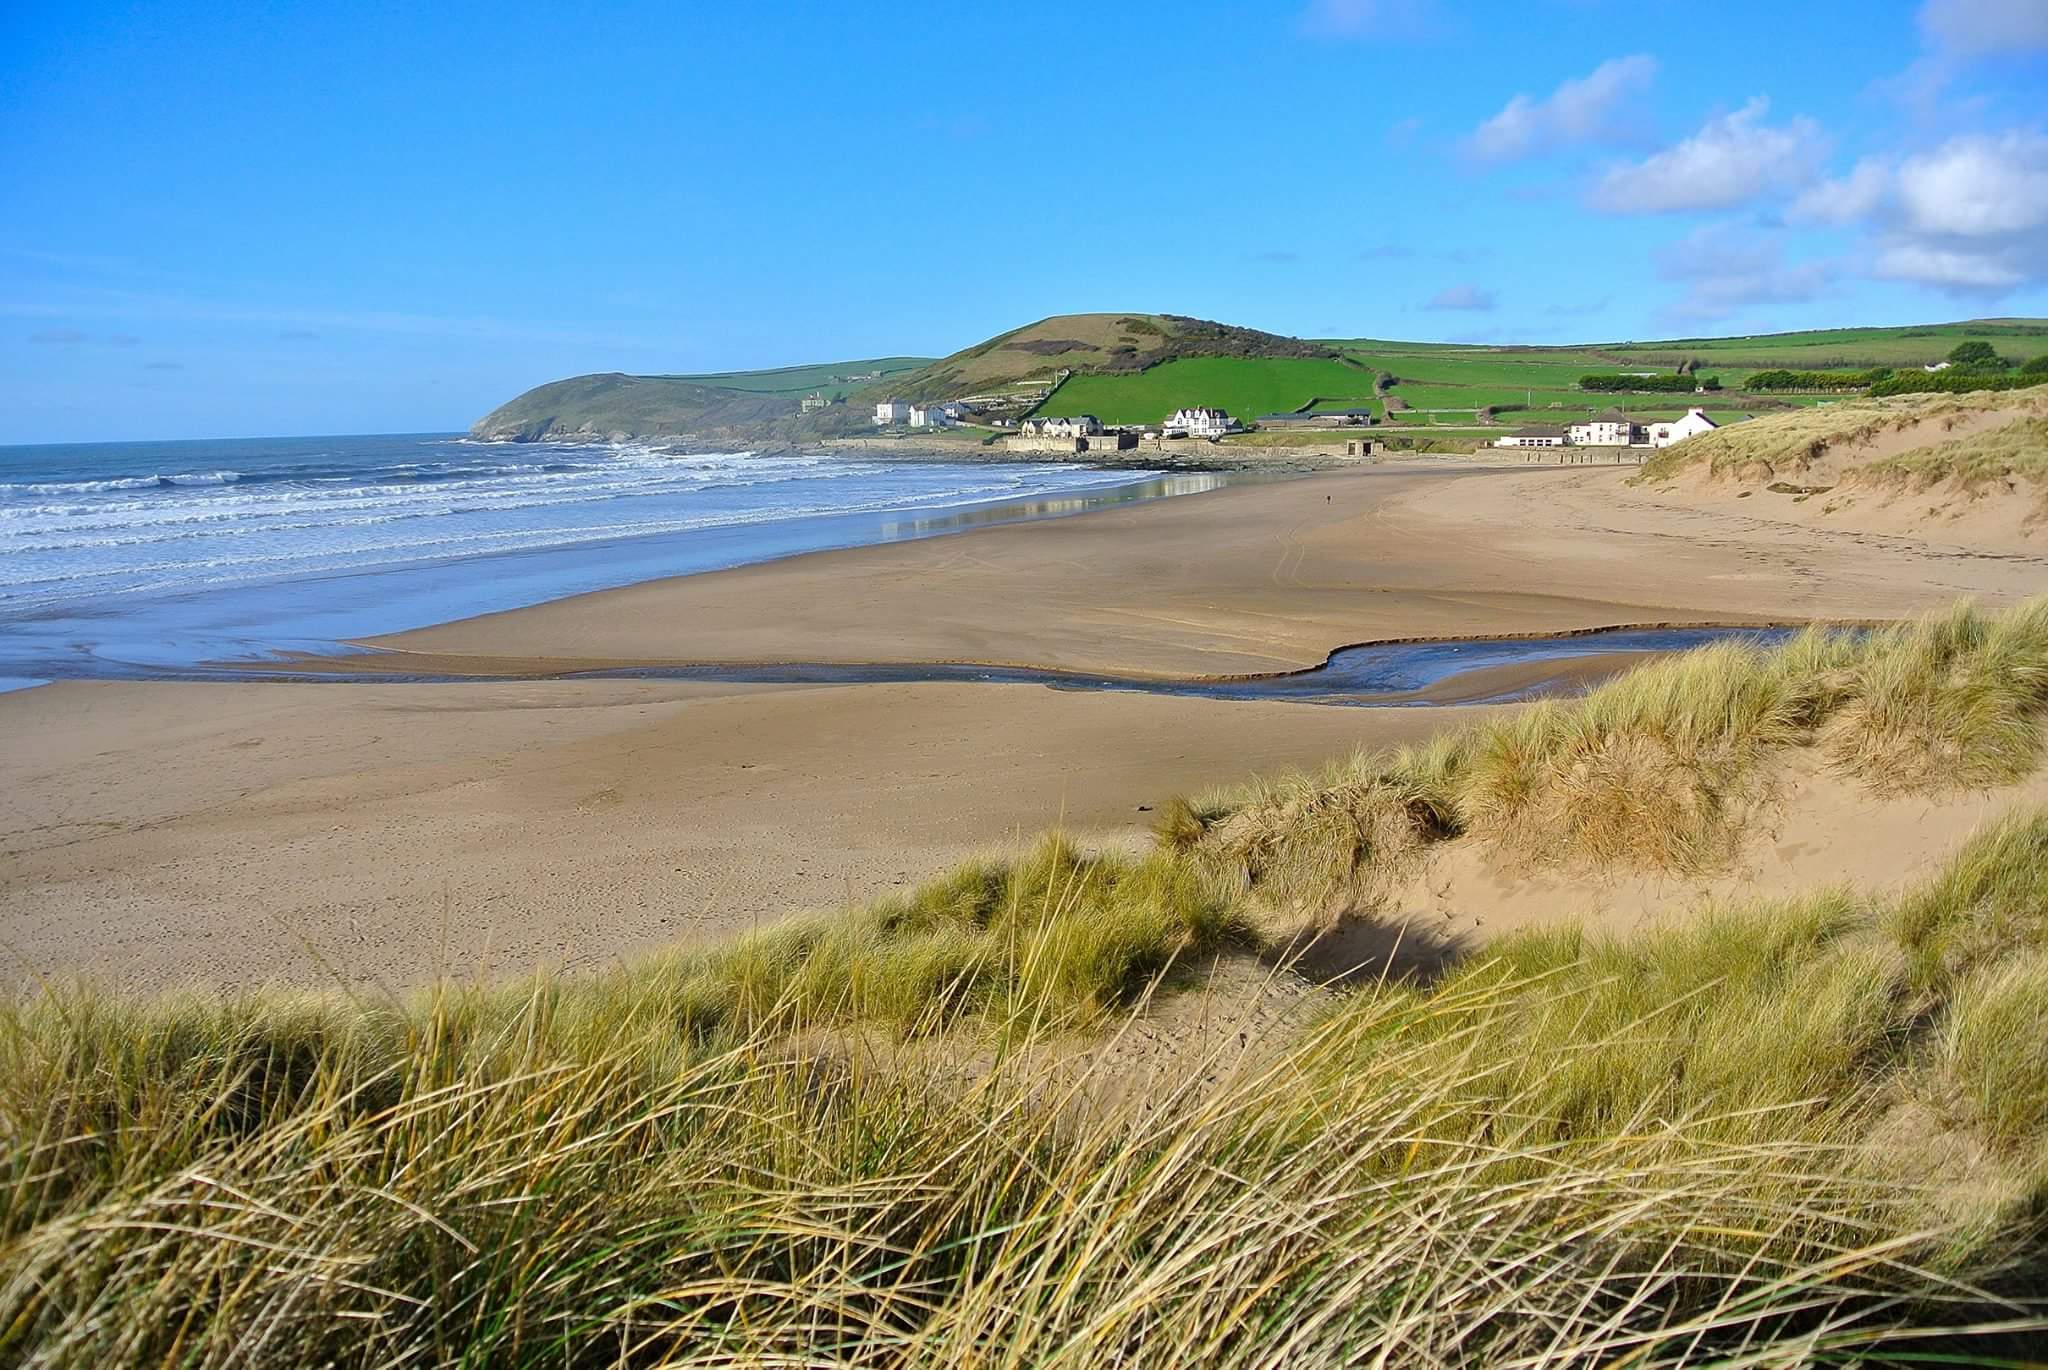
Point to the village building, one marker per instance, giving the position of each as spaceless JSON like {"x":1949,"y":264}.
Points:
{"x":1328,"y":418}
{"x":1199,"y":423}
{"x":1537,"y":435}
{"x":1694,"y":423}
{"x":815,"y":400}
{"x":934,"y":415}
{"x":892,"y":411}
{"x":1078,"y":426}
{"x":1608,"y":432}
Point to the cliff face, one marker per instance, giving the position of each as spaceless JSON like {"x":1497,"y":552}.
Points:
{"x":614,"y":407}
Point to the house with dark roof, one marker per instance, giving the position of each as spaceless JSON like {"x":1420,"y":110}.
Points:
{"x":1536,"y":435}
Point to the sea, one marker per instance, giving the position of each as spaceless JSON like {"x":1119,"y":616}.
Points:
{"x":135,"y":560}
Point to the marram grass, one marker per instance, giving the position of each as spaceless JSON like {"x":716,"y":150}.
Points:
{"x":1653,"y":1150}
{"x":1666,"y":767}
{"x":1809,"y":1130}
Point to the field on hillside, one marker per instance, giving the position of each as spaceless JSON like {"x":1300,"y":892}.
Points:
{"x":833,"y":378}
{"x":1246,"y":386}
{"x":1846,"y":348}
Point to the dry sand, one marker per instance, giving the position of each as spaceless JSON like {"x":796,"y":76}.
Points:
{"x":381,"y":833}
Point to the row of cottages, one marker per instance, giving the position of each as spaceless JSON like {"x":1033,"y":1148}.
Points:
{"x":1079,"y":426}
{"x":1199,"y":423}
{"x":918,"y":415}
{"x":1611,"y":432}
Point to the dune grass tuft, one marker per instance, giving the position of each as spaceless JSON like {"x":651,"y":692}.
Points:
{"x":1995,"y":1053}
{"x":1666,"y":767}
{"x":1990,"y":899}
{"x":1055,"y":938}
{"x":1648,"y":1150}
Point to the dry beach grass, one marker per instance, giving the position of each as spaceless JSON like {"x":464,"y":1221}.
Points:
{"x":1710,"y":1140}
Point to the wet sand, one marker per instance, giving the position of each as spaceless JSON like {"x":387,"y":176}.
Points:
{"x":376,"y":833}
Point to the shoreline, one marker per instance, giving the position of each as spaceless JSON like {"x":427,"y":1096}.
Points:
{"x":934,"y":601}
{"x":376,"y":834}
{"x":219,"y":631}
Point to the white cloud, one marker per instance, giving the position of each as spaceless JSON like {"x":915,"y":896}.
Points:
{"x":1970,"y":215}
{"x":1579,"y":110}
{"x":1846,"y":200}
{"x":1470,"y":297}
{"x":1977,"y":186}
{"x":1726,"y":268}
{"x":1733,"y":158}
{"x":1359,"y":18}
{"x":1985,"y":27}
{"x":1952,"y":268}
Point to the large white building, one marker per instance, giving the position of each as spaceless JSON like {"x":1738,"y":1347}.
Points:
{"x":1079,"y":426}
{"x":1200,"y":423}
{"x":1694,"y":423}
{"x":934,"y":415}
{"x":892,"y":411}
{"x":1605,"y":433}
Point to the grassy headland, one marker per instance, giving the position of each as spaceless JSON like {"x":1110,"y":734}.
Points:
{"x":1812,"y":1129}
{"x":1137,"y":368}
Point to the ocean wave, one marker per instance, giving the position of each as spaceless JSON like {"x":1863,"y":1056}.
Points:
{"x":90,"y":538}
{"x":150,"y":482}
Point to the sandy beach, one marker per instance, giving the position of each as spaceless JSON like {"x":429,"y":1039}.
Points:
{"x":379,"y":834}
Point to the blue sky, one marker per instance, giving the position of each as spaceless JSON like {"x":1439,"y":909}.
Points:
{"x":240,"y":220}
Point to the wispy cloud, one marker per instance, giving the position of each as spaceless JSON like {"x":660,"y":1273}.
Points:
{"x":1588,"y":108}
{"x":163,"y":366}
{"x":57,"y":337}
{"x":1975,"y":28}
{"x":1726,"y":268}
{"x":1465,"y":297}
{"x":115,"y":303}
{"x":1364,"y":18}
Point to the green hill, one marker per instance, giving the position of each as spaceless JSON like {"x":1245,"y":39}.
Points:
{"x":1137,"y":368}
{"x":1101,"y":344}
{"x":615,"y":405}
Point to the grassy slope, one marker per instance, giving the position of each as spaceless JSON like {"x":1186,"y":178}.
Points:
{"x":830,"y":378}
{"x":1116,"y":357}
{"x":668,"y":405}
{"x":1785,"y":441}
{"x":1817,"y":1126}
{"x":1088,"y":343}
{"x":1246,"y":387}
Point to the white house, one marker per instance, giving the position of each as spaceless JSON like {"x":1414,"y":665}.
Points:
{"x":1604,"y":433}
{"x":1540,"y":435}
{"x":1938,"y":366}
{"x":1694,"y":423}
{"x":1200,"y":423}
{"x":934,"y":415}
{"x":1079,"y":426}
{"x":892,"y":411}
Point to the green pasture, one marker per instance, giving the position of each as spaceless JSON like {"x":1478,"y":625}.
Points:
{"x":1488,"y":368}
{"x":1852,"y":348}
{"x":797,"y":381}
{"x":1245,"y":386}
